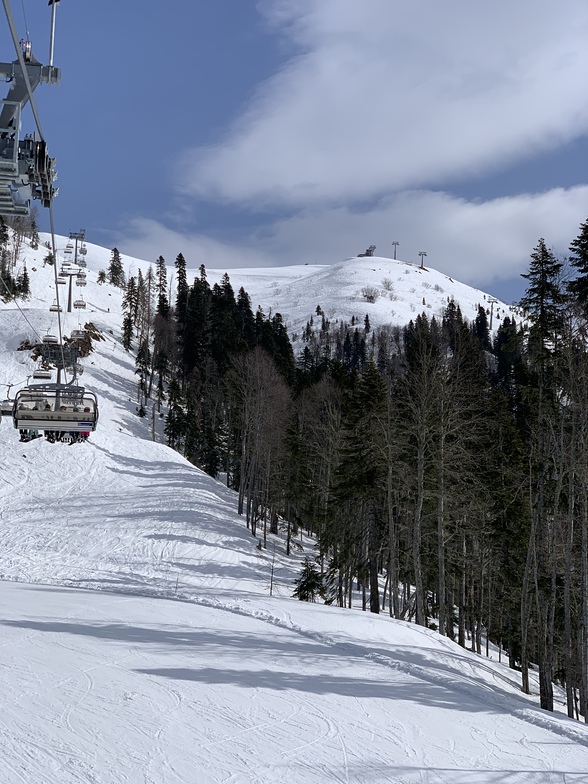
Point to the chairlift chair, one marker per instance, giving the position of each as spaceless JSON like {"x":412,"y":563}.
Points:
{"x":79,"y":304}
{"x":50,"y":340}
{"x":55,"y":408}
{"x":83,"y":250}
{"x":78,"y":334}
{"x":41,"y":374}
{"x":61,"y":281}
{"x":55,"y":308}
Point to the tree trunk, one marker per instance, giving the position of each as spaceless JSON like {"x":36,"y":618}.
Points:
{"x":441,"y":534}
{"x":421,"y":618}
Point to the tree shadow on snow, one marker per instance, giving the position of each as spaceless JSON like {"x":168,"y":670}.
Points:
{"x":415,"y":775}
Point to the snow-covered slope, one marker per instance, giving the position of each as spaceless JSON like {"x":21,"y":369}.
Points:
{"x":139,"y":643}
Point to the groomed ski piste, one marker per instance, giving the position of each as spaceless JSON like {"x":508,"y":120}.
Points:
{"x":139,"y":643}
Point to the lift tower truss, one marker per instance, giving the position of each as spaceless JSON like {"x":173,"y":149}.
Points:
{"x":26,"y":170}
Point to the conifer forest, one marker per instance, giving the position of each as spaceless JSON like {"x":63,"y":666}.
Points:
{"x":442,"y":468}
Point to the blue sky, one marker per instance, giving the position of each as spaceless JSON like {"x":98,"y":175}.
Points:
{"x":247,"y":133}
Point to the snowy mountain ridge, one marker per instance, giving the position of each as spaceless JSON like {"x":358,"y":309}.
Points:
{"x":139,"y":643}
{"x":390,"y":291}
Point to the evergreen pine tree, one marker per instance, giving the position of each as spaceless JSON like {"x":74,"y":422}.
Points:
{"x":579,"y":259}
{"x":310,"y":584}
{"x":245,"y":321}
{"x":181,"y":311}
{"x":197,"y":336}
{"x":223,"y":323}
{"x":116,"y":274}
{"x":481,"y":329}
{"x":360,"y":476}
{"x":543,"y":297}
{"x":161,"y":288}
{"x":23,"y":284}
{"x":543,"y":301}
{"x":175,"y":423}
{"x":127,"y":332}
{"x":129,"y":300}
{"x":34,"y":234}
{"x":142,"y":364}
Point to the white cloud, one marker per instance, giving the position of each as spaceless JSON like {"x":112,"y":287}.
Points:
{"x":145,"y":238}
{"x":383,"y":96}
{"x":476,"y":242}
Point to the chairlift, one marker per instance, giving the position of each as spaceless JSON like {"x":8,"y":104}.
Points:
{"x":61,"y":281}
{"x":55,"y":308}
{"x":83,"y":250}
{"x":82,"y":263}
{"x":78,"y":334}
{"x":79,"y":304}
{"x":50,"y":340}
{"x":56,"y":409}
{"x":81,"y":279}
{"x":40,"y":373}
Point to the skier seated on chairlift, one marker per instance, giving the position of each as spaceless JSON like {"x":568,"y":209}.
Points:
{"x":28,"y":435}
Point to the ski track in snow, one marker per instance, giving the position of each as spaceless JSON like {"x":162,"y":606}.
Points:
{"x":138,"y":643}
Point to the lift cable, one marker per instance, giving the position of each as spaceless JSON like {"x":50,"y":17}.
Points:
{"x":24,"y":16}
{"x":21,"y":310}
